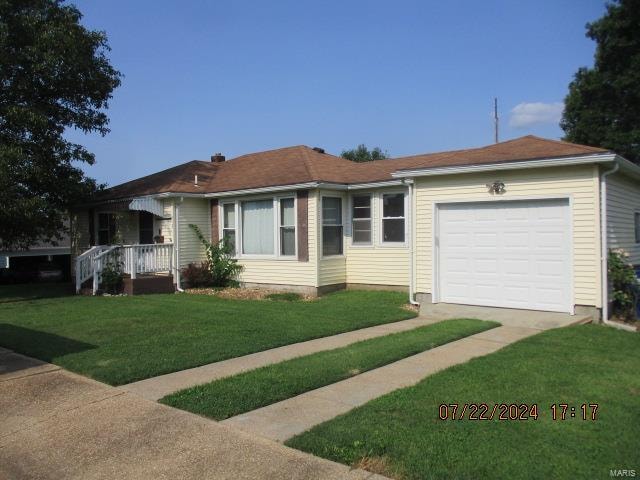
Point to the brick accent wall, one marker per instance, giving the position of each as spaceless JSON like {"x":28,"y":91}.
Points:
{"x":303,"y":225}
{"x":215,"y":233}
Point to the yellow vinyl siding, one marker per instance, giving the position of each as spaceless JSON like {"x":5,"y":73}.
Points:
{"x":128,"y":227}
{"x":581,"y":183}
{"x":193,"y":211}
{"x":377,"y":264}
{"x":623,"y":201}
{"x":286,"y":272}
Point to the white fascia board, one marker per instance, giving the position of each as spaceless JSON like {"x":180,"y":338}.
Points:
{"x":381,"y":184}
{"x":252,"y":191}
{"x":175,"y":194}
{"x":517,"y":165}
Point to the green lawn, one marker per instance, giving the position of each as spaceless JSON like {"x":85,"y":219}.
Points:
{"x":250,"y":390}
{"x":401,"y":436}
{"x":122,"y":339}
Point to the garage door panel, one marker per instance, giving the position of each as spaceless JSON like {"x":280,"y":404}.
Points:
{"x":511,"y":254}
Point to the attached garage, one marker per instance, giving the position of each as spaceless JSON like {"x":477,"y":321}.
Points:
{"x":514,"y":254}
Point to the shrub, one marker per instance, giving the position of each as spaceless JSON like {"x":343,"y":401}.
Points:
{"x":112,"y":277}
{"x":624,"y":284}
{"x":220,"y":262}
{"x":197,"y":276}
{"x":284,"y":297}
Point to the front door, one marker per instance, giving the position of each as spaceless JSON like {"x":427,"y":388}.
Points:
{"x":145,"y":228}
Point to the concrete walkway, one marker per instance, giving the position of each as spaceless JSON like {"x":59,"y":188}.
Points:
{"x":58,"y":425}
{"x":157,"y":387}
{"x":285,"y":419}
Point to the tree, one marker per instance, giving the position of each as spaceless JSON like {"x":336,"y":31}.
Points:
{"x":362,"y":154}
{"x":55,"y":76}
{"x":602,"y":106}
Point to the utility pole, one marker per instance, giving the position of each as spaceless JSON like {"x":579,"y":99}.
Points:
{"x":495,"y":117}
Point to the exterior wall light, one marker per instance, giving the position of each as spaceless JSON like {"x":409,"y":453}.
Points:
{"x":496,"y":188}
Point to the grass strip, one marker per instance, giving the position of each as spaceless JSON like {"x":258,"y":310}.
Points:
{"x":399,"y":435}
{"x":247,"y":391}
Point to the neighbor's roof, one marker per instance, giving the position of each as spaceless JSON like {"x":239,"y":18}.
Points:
{"x":301,"y":164}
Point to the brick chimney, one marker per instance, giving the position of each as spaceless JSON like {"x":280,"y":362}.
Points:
{"x":217,"y":158}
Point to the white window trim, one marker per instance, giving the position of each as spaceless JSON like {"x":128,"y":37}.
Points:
{"x":321,"y":233}
{"x":240,"y":255}
{"x":380,"y":235}
{"x":221,"y":227}
{"x":279,"y":226}
{"x":372,"y":200}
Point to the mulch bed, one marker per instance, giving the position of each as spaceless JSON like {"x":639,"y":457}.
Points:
{"x":240,"y":293}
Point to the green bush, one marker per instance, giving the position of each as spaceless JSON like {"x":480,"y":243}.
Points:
{"x":112,"y":277}
{"x":624,"y":284}
{"x":197,"y":276}
{"x":284,"y":297}
{"x":220,"y":262}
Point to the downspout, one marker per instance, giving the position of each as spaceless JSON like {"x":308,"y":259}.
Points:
{"x":409,"y":184}
{"x":604,"y":254}
{"x":176,"y":216}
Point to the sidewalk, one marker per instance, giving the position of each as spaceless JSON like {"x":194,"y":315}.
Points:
{"x":58,"y":425}
{"x":290,"y":417}
{"x":157,"y":387}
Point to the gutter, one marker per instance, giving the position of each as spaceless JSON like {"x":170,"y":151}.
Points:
{"x":517,"y":165}
{"x":176,"y":231}
{"x":410,"y":188}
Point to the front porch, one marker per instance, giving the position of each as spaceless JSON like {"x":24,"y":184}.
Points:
{"x":145,"y":268}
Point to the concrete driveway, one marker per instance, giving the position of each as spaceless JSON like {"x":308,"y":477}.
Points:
{"x":58,"y":425}
{"x":506,"y":316}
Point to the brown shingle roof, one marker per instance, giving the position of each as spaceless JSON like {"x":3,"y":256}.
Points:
{"x":301,"y":164}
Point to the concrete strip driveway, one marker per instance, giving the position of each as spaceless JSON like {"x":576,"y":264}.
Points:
{"x":58,"y":425}
{"x":157,"y":387}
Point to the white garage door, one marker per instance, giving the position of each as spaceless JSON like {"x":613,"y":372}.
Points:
{"x":514,"y":254}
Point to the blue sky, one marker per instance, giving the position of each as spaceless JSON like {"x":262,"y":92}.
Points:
{"x":408,"y":76}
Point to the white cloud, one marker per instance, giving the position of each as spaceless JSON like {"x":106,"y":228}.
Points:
{"x":537,"y":113}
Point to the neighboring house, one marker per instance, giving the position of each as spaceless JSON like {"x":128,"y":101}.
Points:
{"x":516,"y":224}
{"x":41,"y":261}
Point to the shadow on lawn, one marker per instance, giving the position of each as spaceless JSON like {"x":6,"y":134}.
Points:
{"x":34,"y":343}
{"x":34,"y":291}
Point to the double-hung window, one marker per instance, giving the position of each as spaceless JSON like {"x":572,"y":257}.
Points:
{"x":331,"y":226}
{"x":636,"y":218}
{"x":265,"y":227}
{"x":393,"y":218}
{"x":361,"y":219}
{"x":257,"y":227}
{"x":106,"y":228}
{"x":287,"y":227}
{"x":229,"y":225}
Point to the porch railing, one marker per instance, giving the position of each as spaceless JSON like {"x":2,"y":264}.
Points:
{"x":133,"y":259}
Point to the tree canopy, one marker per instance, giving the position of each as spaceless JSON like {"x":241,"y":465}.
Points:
{"x":362,"y":154}
{"x":55,"y":76}
{"x":602,"y":106}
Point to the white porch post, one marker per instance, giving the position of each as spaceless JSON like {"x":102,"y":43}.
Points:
{"x":134,"y":262}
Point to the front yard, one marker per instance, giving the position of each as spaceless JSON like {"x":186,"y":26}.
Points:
{"x":400,"y":435}
{"x":119,"y":340}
